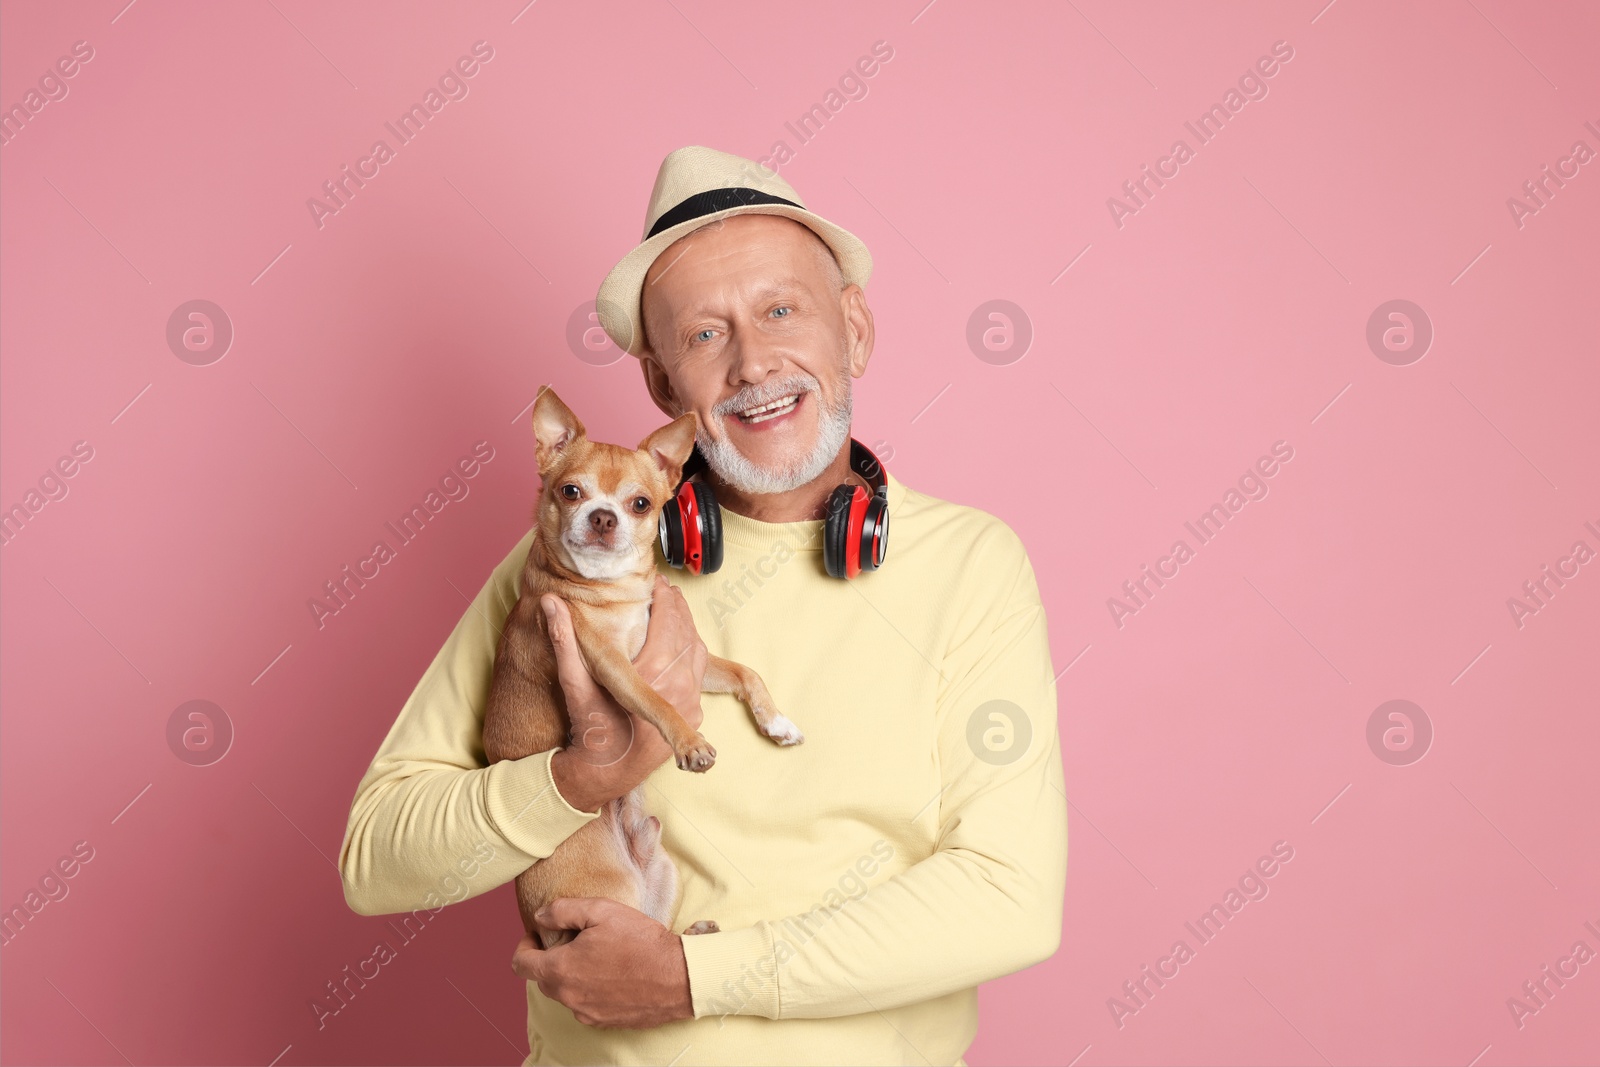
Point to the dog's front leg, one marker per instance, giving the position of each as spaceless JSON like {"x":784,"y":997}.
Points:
{"x":726,"y":676}
{"x":613,"y":670}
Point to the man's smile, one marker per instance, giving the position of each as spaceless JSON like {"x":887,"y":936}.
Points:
{"x":762,"y":414}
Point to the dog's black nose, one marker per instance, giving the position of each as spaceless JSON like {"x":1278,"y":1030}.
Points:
{"x":602,"y":521}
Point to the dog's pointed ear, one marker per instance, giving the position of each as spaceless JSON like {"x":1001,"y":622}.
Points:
{"x":672,"y":445}
{"x":555,"y":428}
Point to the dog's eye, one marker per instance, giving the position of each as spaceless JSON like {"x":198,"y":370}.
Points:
{"x":641,"y":504}
{"x":571,"y":492}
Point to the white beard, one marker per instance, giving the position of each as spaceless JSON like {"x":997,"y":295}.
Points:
{"x":733,"y":467}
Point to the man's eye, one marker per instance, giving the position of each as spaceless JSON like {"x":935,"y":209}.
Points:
{"x":571,"y":492}
{"x":641,"y":504}
{"x":703,"y":335}
{"x":785,"y":310}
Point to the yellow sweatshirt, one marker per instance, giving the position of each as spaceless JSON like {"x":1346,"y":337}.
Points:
{"x":866,"y":881}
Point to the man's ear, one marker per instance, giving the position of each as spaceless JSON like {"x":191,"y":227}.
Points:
{"x":672,"y":445}
{"x":555,"y":428}
{"x":859,"y":317}
{"x":658,"y":385}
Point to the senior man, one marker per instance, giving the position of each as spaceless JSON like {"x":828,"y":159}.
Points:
{"x":864,"y":882}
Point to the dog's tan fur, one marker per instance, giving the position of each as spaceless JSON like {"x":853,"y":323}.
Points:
{"x":617,"y":855}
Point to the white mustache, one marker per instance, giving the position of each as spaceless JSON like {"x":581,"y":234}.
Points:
{"x":765,"y":395}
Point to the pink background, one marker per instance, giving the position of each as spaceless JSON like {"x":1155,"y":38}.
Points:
{"x":1229,"y":313}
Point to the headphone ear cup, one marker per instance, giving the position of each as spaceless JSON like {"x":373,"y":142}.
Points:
{"x":669,"y":533}
{"x":836,"y":528}
{"x":710,"y":527}
{"x":875,"y":534}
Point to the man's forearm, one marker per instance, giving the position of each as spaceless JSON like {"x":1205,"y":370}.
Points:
{"x":587,"y":785}
{"x":422,"y":838}
{"x":576,"y":783}
{"x":962,"y":933}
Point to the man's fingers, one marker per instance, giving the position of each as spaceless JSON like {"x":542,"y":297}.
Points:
{"x":665,"y":605}
{"x":558,"y":621}
{"x":663,"y":633}
{"x":572,"y":672}
{"x":573,"y":913}
{"x":692,"y":635}
{"x":658,"y":594}
{"x":528,"y":961}
{"x":686,"y":618}
{"x":680,"y":620}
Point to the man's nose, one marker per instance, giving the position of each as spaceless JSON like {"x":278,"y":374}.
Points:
{"x":755,"y":358}
{"x":602,"y":521}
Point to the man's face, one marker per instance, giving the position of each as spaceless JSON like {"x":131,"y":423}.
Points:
{"x":750,"y":328}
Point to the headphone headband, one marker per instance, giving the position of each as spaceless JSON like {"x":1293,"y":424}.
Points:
{"x":865,"y":463}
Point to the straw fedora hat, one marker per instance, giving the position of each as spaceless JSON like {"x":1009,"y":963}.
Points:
{"x":694,"y":187}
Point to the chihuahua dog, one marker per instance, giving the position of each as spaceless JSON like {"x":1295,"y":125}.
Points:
{"x":594,"y":546}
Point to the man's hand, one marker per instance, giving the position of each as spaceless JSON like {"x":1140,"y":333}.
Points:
{"x":611,"y":750}
{"x":623,"y":969}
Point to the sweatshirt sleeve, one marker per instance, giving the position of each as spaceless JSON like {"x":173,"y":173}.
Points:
{"x":989,"y":900}
{"x":431,"y":823}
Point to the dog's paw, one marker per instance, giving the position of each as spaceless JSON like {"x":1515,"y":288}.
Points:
{"x":704,"y":926}
{"x":782,"y":730}
{"x":697,"y":755}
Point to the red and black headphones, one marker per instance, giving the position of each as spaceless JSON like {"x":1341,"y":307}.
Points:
{"x":855,"y":534}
